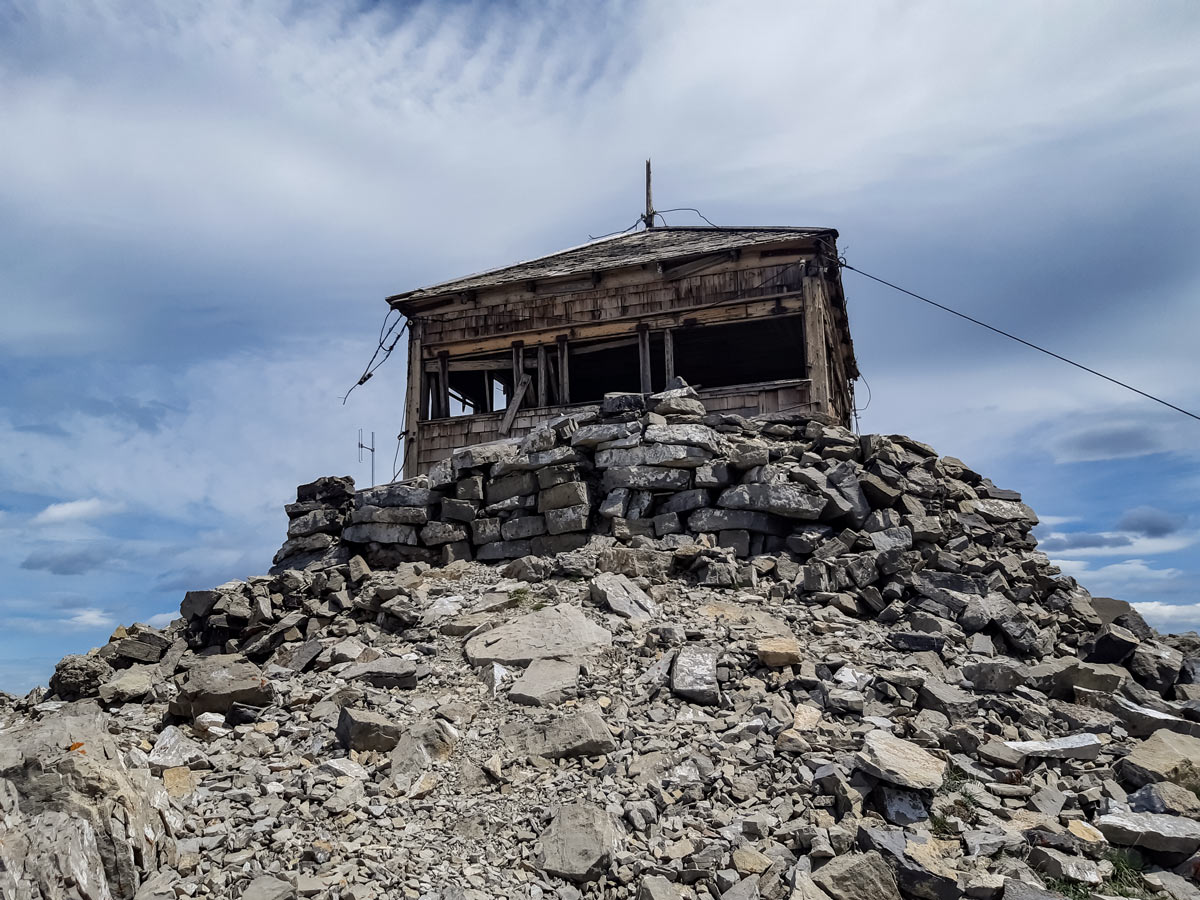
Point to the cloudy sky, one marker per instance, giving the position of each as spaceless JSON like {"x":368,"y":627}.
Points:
{"x":202,"y":207}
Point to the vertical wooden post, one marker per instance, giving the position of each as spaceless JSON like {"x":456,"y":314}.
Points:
{"x":552,"y":379}
{"x":669,"y":353}
{"x":444,"y":384}
{"x":543,"y":373}
{"x":643,"y":333}
{"x":814,"y":348}
{"x":564,"y":378}
{"x":414,"y":410}
{"x":518,"y":367}
{"x":487,"y":392}
{"x":648,"y":217}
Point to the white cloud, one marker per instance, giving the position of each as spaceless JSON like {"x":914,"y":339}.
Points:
{"x":1128,"y":578}
{"x":256,"y":425}
{"x":90,"y":617}
{"x":76,"y":510}
{"x":1169,"y":616}
{"x":1127,"y":544}
{"x":1055,"y":521}
{"x":162,"y":620}
{"x":1065,"y":416}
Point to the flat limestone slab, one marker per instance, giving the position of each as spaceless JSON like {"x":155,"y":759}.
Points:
{"x":900,"y":762}
{"x":546,"y":682}
{"x":557,"y":632}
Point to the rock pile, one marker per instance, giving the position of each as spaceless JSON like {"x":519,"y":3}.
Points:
{"x":643,"y":652}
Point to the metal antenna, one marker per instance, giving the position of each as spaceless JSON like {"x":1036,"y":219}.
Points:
{"x":362,"y":447}
{"x":648,"y":218}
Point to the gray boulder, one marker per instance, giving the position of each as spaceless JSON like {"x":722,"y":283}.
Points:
{"x":557,"y":632}
{"x":622,"y":596}
{"x":1155,"y":666}
{"x":694,"y":674}
{"x":584,"y":734}
{"x":215,"y":683}
{"x":388,"y":672}
{"x":900,"y":762}
{"x":857,"y":876}
{"x":1153,"y":831}
{"x":423,"y":744}
{"x":1164,"y":756}
{"x":359,"y":729}
{"x":79,"y":676}
{"x":268,"y":887}
{"x":546,"y":682}
{"x":76,"y":821}
{"x":579,"y":843}
{"x":782,"y":499}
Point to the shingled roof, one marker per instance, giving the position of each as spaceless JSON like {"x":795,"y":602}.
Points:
{"x":615,"y":252}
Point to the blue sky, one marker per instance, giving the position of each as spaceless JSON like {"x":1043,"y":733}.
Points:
{"x":202,"y":207}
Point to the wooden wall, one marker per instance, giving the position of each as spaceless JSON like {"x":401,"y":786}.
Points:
{"x":631,"y":295}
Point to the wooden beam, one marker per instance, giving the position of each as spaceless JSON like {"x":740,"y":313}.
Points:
{"x":488,"y":392}
{"x":552,"y":380}
{"x":514,"y":404}
{"x":518,"y":372}
{"x":814,"y":350}
{"x":564,"y":380}
{"x":694,"y":266}
{"x":644,"y":358}
{"x":543,"y":377}
{"x":470,"y":365}
{"x":412,"y":400}
{"x":669,"y":353}
{"x":444,"y":385}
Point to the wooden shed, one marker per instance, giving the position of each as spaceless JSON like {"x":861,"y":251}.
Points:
{"x":754,"y":318}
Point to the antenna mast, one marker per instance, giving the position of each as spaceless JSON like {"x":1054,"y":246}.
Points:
{"x":371,"y":449}
{"x":648,"y":218}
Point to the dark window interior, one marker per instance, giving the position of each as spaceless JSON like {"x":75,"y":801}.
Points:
{"x":705,"y":356}
{"x":740,"y":352}
{"x":612,"y":366}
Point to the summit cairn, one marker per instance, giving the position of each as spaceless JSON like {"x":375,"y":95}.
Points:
{"x":645,"y":652}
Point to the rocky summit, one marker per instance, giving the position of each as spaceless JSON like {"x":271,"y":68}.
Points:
{"x":644,"y":651}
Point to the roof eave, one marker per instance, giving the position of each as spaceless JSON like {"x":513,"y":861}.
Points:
{"x":418,"y":300}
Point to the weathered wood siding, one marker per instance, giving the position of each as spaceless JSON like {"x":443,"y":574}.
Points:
{"x":619,"y":295}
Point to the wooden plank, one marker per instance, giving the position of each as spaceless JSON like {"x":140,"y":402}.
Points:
{"x":814,"y":350}
{"x":606,"y":345}
{"x":470,"y":365}
{"x":518,"y":369}
{"x":412,"y":401}
{"x":488,"y":392}
{"x":543,"y":377}
{"x":514,"y":404}
{"x":669,"y":353}
{"x":644,"y":357}
{"x":443,"y":384}
{"x":695,"y":266}
{"x":552,"y":380}
{"x":564,"y":379}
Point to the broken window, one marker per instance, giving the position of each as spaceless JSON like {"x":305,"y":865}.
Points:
{"x":707,"y":356}
{"x":769,"y":349}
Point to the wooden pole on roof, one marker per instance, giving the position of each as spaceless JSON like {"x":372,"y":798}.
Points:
{"x":648,"y":218}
